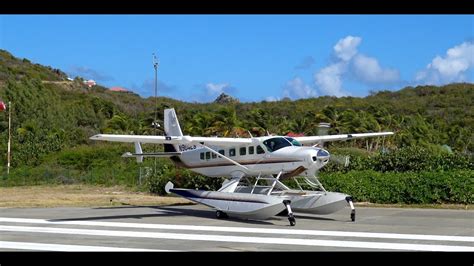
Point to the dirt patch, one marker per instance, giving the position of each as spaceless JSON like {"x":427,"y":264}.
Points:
{"x":96,"y":196}
{"x":80,"y":196}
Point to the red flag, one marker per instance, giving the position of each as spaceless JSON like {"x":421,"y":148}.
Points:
{"x":3,"y":106}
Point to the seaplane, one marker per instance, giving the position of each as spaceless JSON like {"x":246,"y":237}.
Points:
{"x":254,"y":169}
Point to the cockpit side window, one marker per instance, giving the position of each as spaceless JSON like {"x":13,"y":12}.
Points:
{"x":293,"y":141}
{"x":275,"y":144}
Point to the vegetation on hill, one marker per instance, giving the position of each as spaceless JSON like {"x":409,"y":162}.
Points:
{"x":53,"y":118}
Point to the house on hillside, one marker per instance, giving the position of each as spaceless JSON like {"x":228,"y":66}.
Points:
{"x":90,"y":83}
{"x":120,"y":89}
{"x":293,"y":134}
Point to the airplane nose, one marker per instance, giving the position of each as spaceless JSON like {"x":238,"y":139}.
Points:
{"x":321,"y":155}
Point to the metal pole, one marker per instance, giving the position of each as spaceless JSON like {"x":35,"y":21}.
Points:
{"x":155,"y":65}
{"x":9,"y":135}
{"x":155,"y":125}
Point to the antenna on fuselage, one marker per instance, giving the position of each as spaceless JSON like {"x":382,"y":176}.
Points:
{"x":268,"y":133}
{"x":250,"y":134}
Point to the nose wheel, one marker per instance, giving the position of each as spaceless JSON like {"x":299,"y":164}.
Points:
{"x":291,"y":217}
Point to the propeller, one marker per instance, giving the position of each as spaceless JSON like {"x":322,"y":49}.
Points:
{"x":341,"y":159}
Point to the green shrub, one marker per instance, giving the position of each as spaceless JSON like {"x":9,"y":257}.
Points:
{"x":456,"y":186}
{"x":402,"y":160}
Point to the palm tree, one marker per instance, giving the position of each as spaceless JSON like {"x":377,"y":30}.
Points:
{"x":200,"y":123}
{"x":331,"y":115}
{"x":225,"y":123}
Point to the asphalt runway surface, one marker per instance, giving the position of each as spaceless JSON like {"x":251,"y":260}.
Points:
{"x":195,"y":228}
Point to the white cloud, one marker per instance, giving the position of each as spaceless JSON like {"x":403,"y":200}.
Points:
{"x":346,"y":48}
{"x":329,"y":79}
{"x":346,"y":63}
{"x":89,"y":73}
{"x":296,"y":88}
{"x":368,"y":70}
{"x":216,"y":88}
{"x":450,"y":68}
{"x":272,"y":99}
{"x":350,"y":63}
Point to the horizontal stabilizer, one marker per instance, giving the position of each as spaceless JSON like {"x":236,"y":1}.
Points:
{"x":155,"y":154}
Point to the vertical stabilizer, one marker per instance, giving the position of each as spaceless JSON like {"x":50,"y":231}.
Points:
{"x":172,"y":128}
{"x":138,"y":150}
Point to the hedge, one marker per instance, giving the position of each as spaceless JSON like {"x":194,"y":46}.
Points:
{"x":456,"y":186}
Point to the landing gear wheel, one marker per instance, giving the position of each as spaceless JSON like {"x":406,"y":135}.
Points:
{"x":221,"y":215}
{"x":292,"y":220}
{"x":353,"y":215}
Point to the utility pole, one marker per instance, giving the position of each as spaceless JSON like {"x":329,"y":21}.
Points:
{"x":155,"y":123}
{"x":155,"y":65}
{"x":9,"y":135}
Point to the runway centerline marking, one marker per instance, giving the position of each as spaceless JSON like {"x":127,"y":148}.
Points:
{"x":239,"y":239}
{"x":247,"y":230}
{"x":60,"y":247}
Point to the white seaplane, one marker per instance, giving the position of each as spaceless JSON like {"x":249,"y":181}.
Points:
{"x":254,"y":168}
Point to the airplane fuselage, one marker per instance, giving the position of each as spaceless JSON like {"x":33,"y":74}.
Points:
{"x":257,"y":157}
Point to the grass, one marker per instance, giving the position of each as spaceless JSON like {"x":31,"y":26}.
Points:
{"x":80,"y":196}
{"x":416,"y":206}
{"x":48,"y":196}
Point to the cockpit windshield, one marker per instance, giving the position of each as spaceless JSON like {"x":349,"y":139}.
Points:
{"x":275,"y":144}
{"x":293,"y":141}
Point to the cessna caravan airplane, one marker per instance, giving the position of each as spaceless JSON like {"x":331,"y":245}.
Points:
{"x":254,"y":168}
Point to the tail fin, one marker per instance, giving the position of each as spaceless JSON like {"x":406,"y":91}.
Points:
{"x":138,"y":150}
{"x":172,"y":127}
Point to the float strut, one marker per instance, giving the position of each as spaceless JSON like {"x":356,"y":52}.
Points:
{"x":353,"y":211}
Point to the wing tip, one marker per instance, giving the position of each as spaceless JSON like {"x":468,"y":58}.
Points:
{"x":97,"y":136}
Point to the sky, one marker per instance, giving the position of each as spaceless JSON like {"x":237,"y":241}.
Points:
{"x":251,"y":57}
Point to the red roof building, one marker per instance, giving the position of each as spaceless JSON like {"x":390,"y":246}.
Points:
{"x":120,"y":89}
{"x":90,"y":83}
{"x":293,"y":134}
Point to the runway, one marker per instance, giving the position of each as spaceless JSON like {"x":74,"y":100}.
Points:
{"x":195,"y":228}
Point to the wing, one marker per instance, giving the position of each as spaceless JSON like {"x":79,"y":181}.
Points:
{"x":318,"y":139}
{"x":173,"y":140}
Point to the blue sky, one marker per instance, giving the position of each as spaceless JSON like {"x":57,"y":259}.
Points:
{"x":252,"y":57}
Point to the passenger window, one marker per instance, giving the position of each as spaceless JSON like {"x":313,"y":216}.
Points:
{"x":243,"y":151}
{"x":201,"y":155}
{"x":208,"y":155}
{"x":232,"y":152}
{"x":260,"y":150}
{"x":251,"y":150}
{"x":214,"y":156}
{"x":222,"y":152}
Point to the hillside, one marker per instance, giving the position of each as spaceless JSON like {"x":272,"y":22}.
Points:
{"x":54,"y":117}
{"x":49,"y":116}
